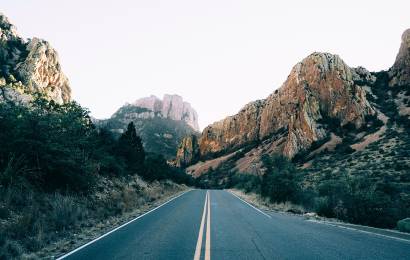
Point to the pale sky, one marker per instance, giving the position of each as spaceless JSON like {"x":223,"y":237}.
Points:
{"x":217,"y":54}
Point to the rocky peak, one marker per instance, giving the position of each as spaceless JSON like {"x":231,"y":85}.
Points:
{"x":290,"y":120}
{"x":33,"y":63}
{"x":41,"y":71}
{"x":400,"y":72}
{"x":172,"y":107}
{"x":7,"y":30}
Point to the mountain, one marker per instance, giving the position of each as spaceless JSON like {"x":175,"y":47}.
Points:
{"x":322,"y":106}
{"x":162,"y":124}
{"x":28,"y":67}
{"x":172,"y":107}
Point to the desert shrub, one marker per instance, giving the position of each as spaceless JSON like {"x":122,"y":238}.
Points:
{"x":404,"y":225}
{"x":10,"y":249}
{"x":64,"y":211}
{"x":246,"y":182}
{"x":279,"y":183}
{"x":157,"y":168}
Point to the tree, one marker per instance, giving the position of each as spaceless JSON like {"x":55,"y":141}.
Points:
{"x":131,"y":149}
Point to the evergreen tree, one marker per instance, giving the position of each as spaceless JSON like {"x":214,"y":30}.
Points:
{"x":131,"y":149}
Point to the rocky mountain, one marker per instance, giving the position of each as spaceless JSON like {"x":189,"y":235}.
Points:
{"x":322,"y":105}
{"x":29,"y":66}
{"x":172,"y":107}
{"x":162,"y":124}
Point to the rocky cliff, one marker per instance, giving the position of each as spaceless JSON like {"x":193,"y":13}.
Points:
{"x":172,"y":107}
{"x":400,"y":71}
{"x":321,"y":98}
{"x":320,"y":87}
{"x":29,"y":66}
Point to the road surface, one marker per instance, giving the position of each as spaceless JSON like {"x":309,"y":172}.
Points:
{"x":183,"y":229}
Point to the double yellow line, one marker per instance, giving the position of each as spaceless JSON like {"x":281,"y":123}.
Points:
{"x":207,"y":209}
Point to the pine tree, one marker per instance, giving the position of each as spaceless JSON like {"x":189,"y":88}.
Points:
{"x":131,"y":149}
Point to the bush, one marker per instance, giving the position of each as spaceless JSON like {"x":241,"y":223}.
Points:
{"x":246,"y":182}
{"x":404,"y":225}
{"x":10,"y":250}
{"x":279,"y":183}
{"x":64,"y":211}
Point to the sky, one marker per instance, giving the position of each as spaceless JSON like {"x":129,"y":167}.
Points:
{"x":217,"y":54}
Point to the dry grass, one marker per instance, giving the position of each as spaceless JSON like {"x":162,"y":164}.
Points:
{"x":37,"y":225}
{"x":265,"y":204}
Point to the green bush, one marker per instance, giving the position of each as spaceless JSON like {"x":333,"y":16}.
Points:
{"x":279,"y":183}
{"x":404,"y":225}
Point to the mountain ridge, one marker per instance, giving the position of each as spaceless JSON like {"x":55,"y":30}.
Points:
{"x":320,"y":93}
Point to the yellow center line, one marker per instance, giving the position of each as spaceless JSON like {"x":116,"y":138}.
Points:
{"x":197,"y":255}
{"x":208,"y":231}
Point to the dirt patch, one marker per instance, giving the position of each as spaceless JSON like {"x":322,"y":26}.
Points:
{"x":329,"y":145}
{"x":371,"y":138}
{"x":200,"y":168}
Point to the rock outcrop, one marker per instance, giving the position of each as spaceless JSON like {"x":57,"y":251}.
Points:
{"x":33,"y":64}
{"x":319,"y":88}
{"x":400,"y":71}
{"x":188,"y":151}
{"x":172,"y":107}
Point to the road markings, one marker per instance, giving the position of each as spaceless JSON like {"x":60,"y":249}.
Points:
{"x":251,"y":205}
{"x":197,"y":255}
{"x":208,"y":231}
{"x":123,"y":225}
{"x":359,"y":230}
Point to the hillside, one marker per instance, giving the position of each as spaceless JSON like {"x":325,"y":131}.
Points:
{"x":62,"y":180}
{"x":162,"y":124}
{"x":333,"y":139}
{"x":322,"y":103}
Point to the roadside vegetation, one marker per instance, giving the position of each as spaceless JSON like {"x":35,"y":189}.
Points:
{"x":60,"y":175}
{"x":355,"y":197}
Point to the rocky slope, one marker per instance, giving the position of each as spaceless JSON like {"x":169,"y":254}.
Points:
{"x":162,"y":124}
{"x":28,"y":67}
{"x":322,"y":104}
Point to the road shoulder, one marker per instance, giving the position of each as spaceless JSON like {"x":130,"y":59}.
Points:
{"x":284,"y":209}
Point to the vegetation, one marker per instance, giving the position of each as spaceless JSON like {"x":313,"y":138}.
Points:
{"x":59,"y":172}
{"x":404,"y":225}
{"x":355,"y":198}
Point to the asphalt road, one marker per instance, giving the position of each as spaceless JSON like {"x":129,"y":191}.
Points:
{"x":183,"y":229}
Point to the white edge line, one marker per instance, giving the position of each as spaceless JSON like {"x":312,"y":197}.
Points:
{"x":123,"y":225}
{"x":358,"y":230}
{"x":250,"y":205}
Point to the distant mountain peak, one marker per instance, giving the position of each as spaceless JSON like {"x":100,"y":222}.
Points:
{"x":172,"y":107}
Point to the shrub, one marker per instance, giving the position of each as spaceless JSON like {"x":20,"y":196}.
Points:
{"x":404,"y":225}
{"x":64,"y":211}
{"x":279,"y":182}
{"x":10,"y":250}
{"x":246,"y":182}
